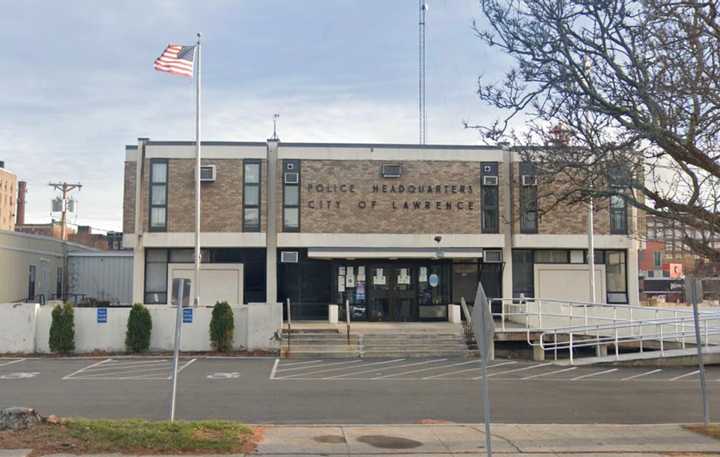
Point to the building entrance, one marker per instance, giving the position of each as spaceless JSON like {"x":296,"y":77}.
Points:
{"x":394,"y":291}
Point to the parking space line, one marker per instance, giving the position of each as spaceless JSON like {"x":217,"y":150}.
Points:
{"x":312,"y":373}
{"x":385,"y":362}
{"x":540,"y":375}
{"x":684,"y":375}
{"x":512,"y":362}
{"x":590,"y":375}
{"x":292,"y":364}
{"x":515,"y":370}
{"x":112,"y":366}
{"x":642,"y":374}
{"x":281,"y":369}
{"x":12,"y":362}
{"x":274,"y":368}
{"x":131,"y":372}
{"x":86,"y":368}
{"x":186,"y":365}
{"x":455,"y":371}
{"x":412,"y":371}
{"x":470,"y":369}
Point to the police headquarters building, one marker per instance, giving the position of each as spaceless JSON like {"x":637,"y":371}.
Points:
{"x":400,"y":231}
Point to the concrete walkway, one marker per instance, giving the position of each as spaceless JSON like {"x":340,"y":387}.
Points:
{"x":469,"y":440}
{"x":509,"y":440}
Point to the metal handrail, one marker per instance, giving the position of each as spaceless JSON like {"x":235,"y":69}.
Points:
{"x":581,"y":336}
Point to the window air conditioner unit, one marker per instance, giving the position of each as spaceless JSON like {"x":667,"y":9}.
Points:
{"x":289,"y":257}
{"x":529,"y":180}
{"x":207,"y":173}
{"x":292,"y":178}
{"x":492,"y":256}
{"x":490,"y":180}
{"x":391,"y":170}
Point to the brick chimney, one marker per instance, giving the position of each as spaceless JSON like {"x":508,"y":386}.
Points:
{"x":22,"y":190}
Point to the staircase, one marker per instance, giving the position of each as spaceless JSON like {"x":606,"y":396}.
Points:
{"x":375,"y":343}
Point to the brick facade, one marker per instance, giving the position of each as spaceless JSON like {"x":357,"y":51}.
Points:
{"x":222,"y":200}
{"x":8,"y":203}
{"x":360,"y":200}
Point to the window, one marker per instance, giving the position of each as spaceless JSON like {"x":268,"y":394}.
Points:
{"x":156,"y":270}
{"x":618,"y":215}
{"x":552,"y":256}
{"x":31,"y":282}
{"x":657,"y":259}
{"x":616,"y":277}
{"x":489,"y":197}
{"x":523,"y":273}
{"x":465,"y":281}
{"x":291,"y":196}
{"x":158,"y":194}
{"x":528,"y":209}
{"x":59,"y":284}
{"x":251,"y":196}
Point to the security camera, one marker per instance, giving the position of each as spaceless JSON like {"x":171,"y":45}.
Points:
{"x":438,"y":238}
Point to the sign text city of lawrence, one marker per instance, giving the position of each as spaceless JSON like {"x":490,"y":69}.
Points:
{"x":417,"y":196}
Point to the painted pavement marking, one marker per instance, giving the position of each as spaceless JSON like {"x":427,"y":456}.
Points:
{"x":647,"y":373}
{"x":321,"y":365}
{"x":501,"y":364}
{"x":413,"y":371}
{"x":385,"y":362}
{"x":325,"y":370}
{"x":11,"y":376}
{"x":684,"y":375}
{"x":81,"y":370}
{"x":12,"y":362}
{"x":274,"y":368}
{"x":597,"y":373}
{"x":515,"y":370}
{"x":540,"y":375}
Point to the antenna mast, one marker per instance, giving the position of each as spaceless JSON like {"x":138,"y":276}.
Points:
{"x":423,"y":7}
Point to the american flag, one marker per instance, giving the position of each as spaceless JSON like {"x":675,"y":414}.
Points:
{"x":176,"y":59}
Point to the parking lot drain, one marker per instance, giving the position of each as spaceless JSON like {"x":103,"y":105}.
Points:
{"x":330,"y":439}
{"x":389,"y":442}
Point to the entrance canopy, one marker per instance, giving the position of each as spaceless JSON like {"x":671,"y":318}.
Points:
{"x":394,"y":253}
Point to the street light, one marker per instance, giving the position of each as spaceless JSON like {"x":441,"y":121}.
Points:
{"x":587,"y":63}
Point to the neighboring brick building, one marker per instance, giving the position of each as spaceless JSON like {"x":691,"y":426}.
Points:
{"x":80,"y":234}
{"x":400,"y":231}
{"x":8,"y":198}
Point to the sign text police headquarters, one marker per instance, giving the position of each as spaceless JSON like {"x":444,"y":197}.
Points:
{"x":408,"y":196}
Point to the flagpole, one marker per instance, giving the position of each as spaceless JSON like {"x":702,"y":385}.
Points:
{"x":198,"y":73}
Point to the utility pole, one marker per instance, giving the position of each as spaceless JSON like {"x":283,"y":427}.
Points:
{"x":65,"y":188}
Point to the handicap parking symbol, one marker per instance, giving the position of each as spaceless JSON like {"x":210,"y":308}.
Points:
{"x":19,"y":375}
{"x":221,"y":375}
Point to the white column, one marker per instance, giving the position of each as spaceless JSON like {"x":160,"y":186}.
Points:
{"x":506,"y":219}
{"x":139,"y":248}
{"x":271,"y":230}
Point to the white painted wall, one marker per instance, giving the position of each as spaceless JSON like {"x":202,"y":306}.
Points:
{"x":569,"y":282}
{"x":218,"y":281}
{"x":17,"y":327}
{"x":25,"y":328}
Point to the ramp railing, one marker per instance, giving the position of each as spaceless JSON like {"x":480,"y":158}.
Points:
{"x":659,"y":332}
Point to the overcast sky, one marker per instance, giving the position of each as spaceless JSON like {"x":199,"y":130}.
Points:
{"x":78,"y":83}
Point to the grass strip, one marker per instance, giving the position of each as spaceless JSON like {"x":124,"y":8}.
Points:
{"x":85,"y":436}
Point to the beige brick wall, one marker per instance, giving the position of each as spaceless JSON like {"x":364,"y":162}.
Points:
{"x":222,"y":200}
{"x":341,"y":212}
{"x":129,"y":197}
{"x":8,"y":202}
{"x":561,"y":219}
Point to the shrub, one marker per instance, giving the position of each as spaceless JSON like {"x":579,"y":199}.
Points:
{"x":139,"y":328}
{"x":222,"y":327}
{"x":62,"y":329}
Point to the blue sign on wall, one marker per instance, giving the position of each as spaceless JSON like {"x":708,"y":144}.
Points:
{"x":187,"y":315}
{"x":102,"y":316}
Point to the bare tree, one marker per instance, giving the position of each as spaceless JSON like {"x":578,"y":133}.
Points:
{"x":634,"y":87}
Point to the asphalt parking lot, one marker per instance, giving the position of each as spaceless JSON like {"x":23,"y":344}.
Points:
{"x":269,"y":390}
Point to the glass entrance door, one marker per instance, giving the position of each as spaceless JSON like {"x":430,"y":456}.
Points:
{"x":393,"y":294}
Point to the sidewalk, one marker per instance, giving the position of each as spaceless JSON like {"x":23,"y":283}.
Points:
{"x":469,"y":440}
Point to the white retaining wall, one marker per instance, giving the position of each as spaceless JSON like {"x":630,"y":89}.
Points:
{"x":25,"y":328}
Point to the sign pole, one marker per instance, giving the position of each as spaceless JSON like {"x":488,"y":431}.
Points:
{"x":176,"y":355}
{"x":696,"y":295}
{"x":483,"y":327}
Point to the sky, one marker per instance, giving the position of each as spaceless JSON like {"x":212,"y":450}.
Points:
{"x":78,"y":82}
